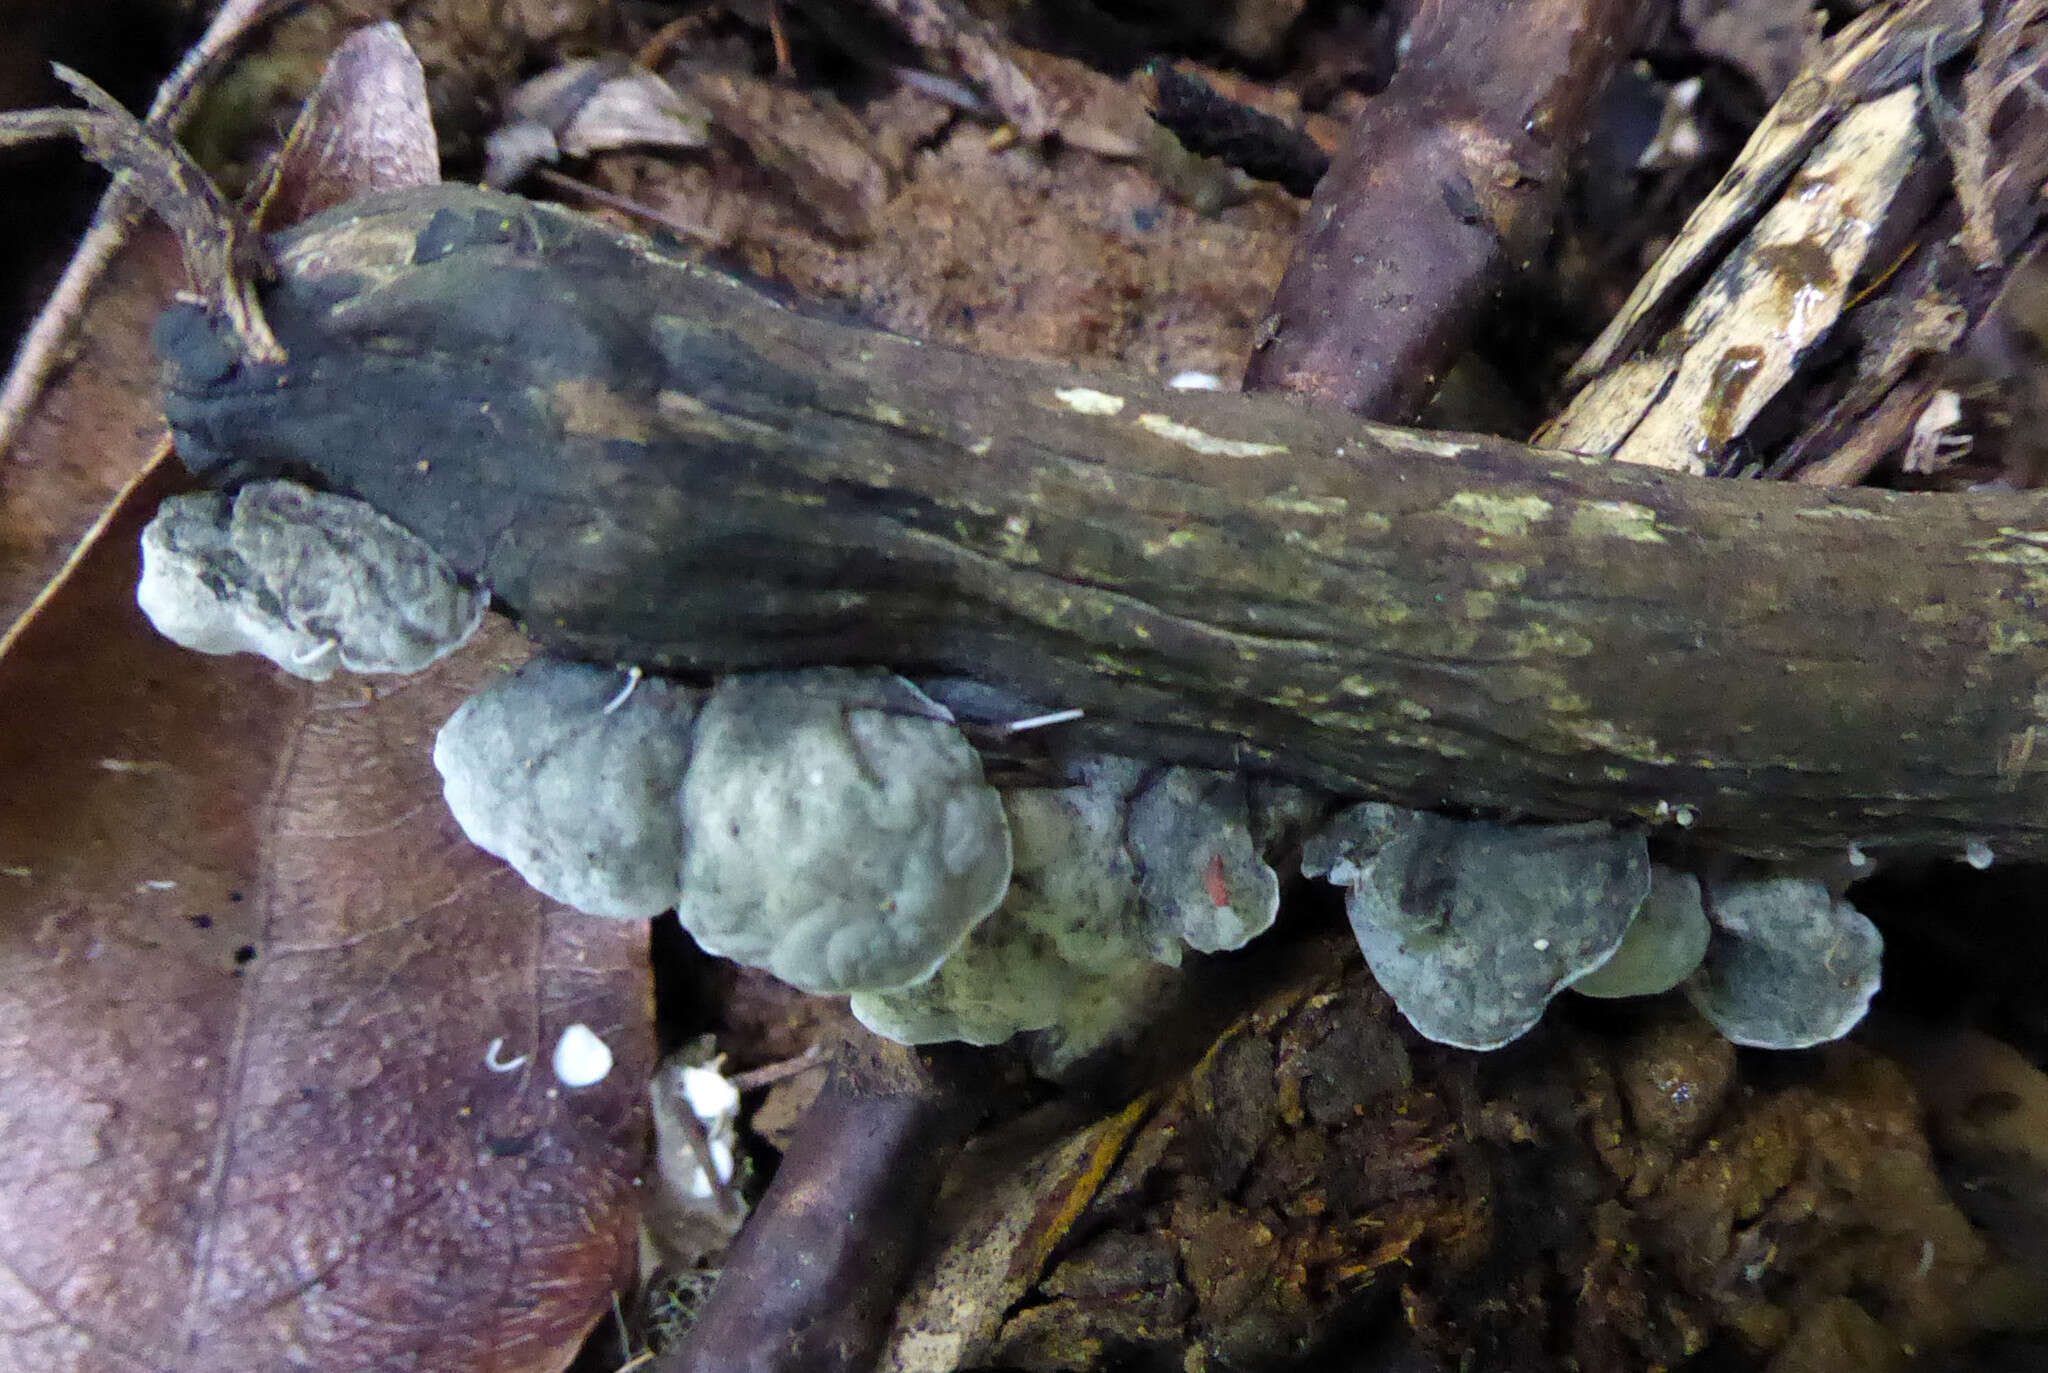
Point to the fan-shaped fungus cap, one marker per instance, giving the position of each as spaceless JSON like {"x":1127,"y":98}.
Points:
{"x":311,"y":581}
{"x":1204,"y":880}
{"x":571,"y":777}
{"x":1664,"y":943}
{"x":836,"y":830}
{"x":1472,"y":927}
{"x":1790,"y":965}
{"x":1066,"y":945}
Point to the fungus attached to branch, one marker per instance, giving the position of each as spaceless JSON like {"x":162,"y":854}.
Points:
{"x":310,"y":581}
{"x":1790,"y":965}
{"x":573,"y":785}
{"x":1472,"y":927}
{"x":1066,"y":951}
{"x":1115,"y":878}
{"x":1665,"y":942}
{"x":1348,"y":841}
{"x":1204,"y":880}
{"x":837,"y":830}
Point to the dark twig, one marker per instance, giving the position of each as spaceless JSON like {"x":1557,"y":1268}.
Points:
{"x":663,"y":467}
{"x":809,"y":1285}
{"x":1256,"y":143}
{"x":222,"y":256}
{"x":43,"y":344}
{"x":1447,"y":181}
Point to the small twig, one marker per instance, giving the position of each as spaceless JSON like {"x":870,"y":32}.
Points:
{"x":1256,"y":143}
{"x":811,"y":1281}
{"x":1445,"y":185}
{"x":770,"y":1074}
{"x":43,"y":344}
{"x":1051,"y":717}
{"x":785,"y":69}
{"x":562,"y":181}
{"x":219,"y":252}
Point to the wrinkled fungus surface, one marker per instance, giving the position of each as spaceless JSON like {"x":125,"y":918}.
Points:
{"x":572,"y":778}
{"x":1067,"y":943}
{"x":310,"y":581}
{"x":836,"y":830}
{"x":1205,"y":882}
{"x":1473,"y":927}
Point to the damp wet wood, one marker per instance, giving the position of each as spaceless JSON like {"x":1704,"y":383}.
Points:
{"x":650,"y":463}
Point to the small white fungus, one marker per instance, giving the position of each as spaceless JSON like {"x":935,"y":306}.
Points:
{"x":581,"y":1058}
{"x":1977,"y":854}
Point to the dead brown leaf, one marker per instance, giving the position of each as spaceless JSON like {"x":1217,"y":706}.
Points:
{"x":250,"y":976}
{"x":97,"y":427}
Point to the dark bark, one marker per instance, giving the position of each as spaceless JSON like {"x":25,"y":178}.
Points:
{"x":1258,"y":144}
{"x":1447,"y":182}
{"x":811,"y":1282}
{"x":650,"y":463}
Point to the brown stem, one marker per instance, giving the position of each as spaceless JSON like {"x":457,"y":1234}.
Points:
{"x":1446,"y":183}
{"x":812,"y":1280}
{"x":43,"y":344}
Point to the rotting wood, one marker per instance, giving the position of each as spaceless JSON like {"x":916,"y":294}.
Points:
{"x":1887,"y":46}
{"x":648,"y":462}
{"x":1683,"y":404}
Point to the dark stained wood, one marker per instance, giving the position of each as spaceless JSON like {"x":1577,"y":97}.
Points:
{"x":648,"y":462}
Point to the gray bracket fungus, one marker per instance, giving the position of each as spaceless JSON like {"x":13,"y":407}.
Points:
{"x":1665,"y":942}
{"x":1114,"y":877}
{"x":1790,"y":965}
{"x":1204,"y":880}
{"x":1066,"y":951}
{"x":1473,"y":927}
{"x":571,"y":778}
{"x":1339,"y":851}
{"x":308,"y":580}
{"x":836,"y":830}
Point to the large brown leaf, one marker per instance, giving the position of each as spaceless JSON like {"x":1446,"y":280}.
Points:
{"x":249,"y":973}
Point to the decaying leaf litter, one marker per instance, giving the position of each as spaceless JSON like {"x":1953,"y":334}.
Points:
{"x":1215,"y":1322}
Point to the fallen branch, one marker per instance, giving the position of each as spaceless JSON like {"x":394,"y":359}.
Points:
{"x":651,"y":463}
